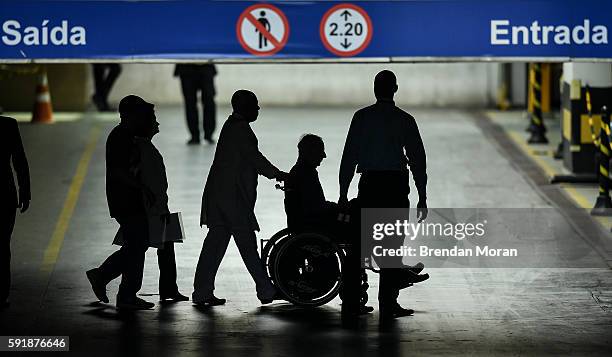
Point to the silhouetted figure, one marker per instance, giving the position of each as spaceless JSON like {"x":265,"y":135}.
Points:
{"x":305,"y":202}
{"x":11,"y":150}
{"x":308,"y":210}
{"x":382,"y":142}
{"x":263,"y":40}
{"x":150,"y":170}
{"x":124,"y":193}
{"x":228,"y":202}
{"x":198,"y":78}
{"x":105,"y":75}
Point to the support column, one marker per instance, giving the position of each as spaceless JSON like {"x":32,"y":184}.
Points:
{"x":578,"y":146}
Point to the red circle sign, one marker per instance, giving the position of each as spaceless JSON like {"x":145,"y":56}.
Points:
{"x":346,"y":30}
{"x":262,"y":29}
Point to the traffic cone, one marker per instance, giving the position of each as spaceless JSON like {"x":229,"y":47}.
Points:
{"x":42,"y":112}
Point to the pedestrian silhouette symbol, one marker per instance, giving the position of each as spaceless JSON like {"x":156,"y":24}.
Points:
{"x":263,"y":40}
{"x":262,"y":29}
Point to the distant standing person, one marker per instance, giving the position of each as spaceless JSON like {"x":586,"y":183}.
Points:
{"x":124,"y":194}
{"x":105,"y":75}
{"x":383,"y":140}
{"x":228,"y":202}
{"x":198,"y":78}
{"x":11,"y":150}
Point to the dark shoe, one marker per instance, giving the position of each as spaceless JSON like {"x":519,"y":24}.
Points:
{"x":174,"y":297}
{"x":411,"y":279}
{"x":363,"y":310}
{"x":134,"y":303}
{"x":416,"y":269}
{"x":401,"y":312}
{"x":395,"y":312}
{"x":276,"y":296}
{"x":193,"y":141}
{"x":213,"y":301}
{"x":98,"y":287}
{"x":210,"y":141}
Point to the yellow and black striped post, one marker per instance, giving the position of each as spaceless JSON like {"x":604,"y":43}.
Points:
{"x":537,"y":128}
{"x":603,"y":204}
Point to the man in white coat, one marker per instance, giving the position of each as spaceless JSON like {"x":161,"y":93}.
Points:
{"x":229,"y":199}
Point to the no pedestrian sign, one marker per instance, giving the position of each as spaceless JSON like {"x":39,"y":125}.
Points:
{"x":262,"y":29}
{"x":346,"y":30}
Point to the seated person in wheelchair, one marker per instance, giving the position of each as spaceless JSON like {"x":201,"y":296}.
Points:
{"x":305,"y":202}
{"x":308,"y":210}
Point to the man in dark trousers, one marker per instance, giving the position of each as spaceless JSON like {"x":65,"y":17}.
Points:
{"x":11,"y":150}
{"x":198,"y":78}
{"x":105,"y":75}
{"x":382,"y":142}
{"x":124,"y":194}
{"x":228,"y":202}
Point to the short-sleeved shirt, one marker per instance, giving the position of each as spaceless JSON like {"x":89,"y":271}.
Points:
{"x":121,"y":154}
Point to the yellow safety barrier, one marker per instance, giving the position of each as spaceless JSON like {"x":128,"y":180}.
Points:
{"x":603,"y":204}
{"x":537,"y":127}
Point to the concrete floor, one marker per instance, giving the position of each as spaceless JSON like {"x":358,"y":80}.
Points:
{"x":458,"y":311}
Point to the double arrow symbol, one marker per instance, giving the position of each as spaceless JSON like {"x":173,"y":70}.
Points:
{"x":346,"y":14}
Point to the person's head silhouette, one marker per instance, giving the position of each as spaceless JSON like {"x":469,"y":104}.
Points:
{"x":262,"y":13}
{"x":311,"y":149}
{"x":137,"y":115}
{"x":244,"y":103}
{"x":385,"y":85}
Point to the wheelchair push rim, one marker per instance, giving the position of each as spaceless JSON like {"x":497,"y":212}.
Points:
{"x":270,"y":251}
{"x":306,"y":269}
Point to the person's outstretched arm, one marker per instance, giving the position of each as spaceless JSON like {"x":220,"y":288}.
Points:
{"x":20,"y":164}
{"x":251,"y":151}
{"x":349,"y":161}
{"x":417,"y":160}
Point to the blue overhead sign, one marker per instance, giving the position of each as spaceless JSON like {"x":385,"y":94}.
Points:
{"x":201,"y":30}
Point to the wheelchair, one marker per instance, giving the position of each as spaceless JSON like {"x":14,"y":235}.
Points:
{"x":306,"y":267}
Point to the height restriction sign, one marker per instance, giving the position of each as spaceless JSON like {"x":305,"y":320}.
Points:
{"x":346,"y":30}
{"x":262,"y":29}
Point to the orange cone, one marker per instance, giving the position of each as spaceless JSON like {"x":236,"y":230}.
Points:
{"x":43,"y":112}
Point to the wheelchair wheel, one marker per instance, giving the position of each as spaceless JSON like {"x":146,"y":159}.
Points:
{"x":307,"y":269}
{"x":270,"y":251}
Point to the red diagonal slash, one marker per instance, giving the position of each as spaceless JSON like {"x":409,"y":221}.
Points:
{"x":263,"y":30}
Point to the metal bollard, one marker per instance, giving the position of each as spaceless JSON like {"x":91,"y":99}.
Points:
{"x":603,"y":204}
{"x":537,"y":128}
